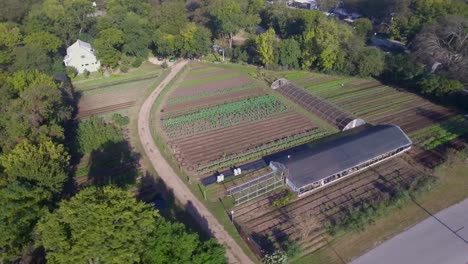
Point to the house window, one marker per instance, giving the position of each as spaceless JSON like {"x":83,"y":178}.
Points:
{"x":83,"y":56}
{"x":86,"y":64}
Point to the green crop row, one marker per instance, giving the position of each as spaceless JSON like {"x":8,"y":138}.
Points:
{"x":296,"y":75}
{"x":358,"y":94}
{"x":262,"y":150}
{"x":209,"y":79}
{"x":439,"y":134}
{"x":250,"y":109}
{"x":213,"y":93}
{"x":392,"y":104}
{"x":322,"y":85}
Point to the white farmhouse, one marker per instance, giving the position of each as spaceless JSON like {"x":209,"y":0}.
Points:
{"x":81,"y":56}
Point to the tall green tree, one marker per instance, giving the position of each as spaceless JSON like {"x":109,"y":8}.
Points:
{"x":108,"y":46}
{"x":44,"y":164}
{"x":10,"y":37}
{"x":265,"y":47}
{"x":290,"y":53}
{"x":105,"y":225}
{"x":172,"y":244}
{"x":227,"y":18}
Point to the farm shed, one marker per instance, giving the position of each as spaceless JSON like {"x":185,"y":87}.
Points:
{"x":311,"y":168}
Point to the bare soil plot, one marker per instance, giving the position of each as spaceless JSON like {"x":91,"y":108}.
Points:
{"x":111,"y":98}
{"x":215,"y":144}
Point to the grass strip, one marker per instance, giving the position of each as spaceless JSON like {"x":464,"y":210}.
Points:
{"x":209,"y":79}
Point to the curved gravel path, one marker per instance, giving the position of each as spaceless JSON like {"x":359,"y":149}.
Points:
{"x":183,"y":194}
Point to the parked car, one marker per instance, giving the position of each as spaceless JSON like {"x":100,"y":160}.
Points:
{"x":173,"y":59}
{"x":160,"y":58}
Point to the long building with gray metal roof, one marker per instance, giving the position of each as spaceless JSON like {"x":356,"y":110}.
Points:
{"x":311,"y":168}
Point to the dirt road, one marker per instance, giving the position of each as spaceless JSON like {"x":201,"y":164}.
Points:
{"x":183,"y":194}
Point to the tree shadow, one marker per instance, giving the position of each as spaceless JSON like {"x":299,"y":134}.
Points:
{"x":153,"y":190}
{"x":113,"y":164}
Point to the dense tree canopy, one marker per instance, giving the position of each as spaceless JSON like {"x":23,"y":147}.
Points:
{"x":103,"y":225}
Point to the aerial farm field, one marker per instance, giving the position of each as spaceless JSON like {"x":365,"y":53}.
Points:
{"x":216,"y":117}
{"x":98,"y":96}
{"x":430,"y":126}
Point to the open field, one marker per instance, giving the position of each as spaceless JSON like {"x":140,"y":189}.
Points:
{"x":216,"y":117}
{"x":112,"y":97}
{"x":428,"y":125}
{"x":96,"y":80}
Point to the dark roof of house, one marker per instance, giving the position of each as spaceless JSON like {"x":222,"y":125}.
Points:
{"x":310,"y":164}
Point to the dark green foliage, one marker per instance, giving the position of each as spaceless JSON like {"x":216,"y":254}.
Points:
{"x":284,"y":200}
{"x":293,"y":249}
{"x":95,"y":133}
{"x":137,"y":62}
{"x":22,"y":206}
{"x":124,"y":68}
{"x":239,"y":55}
{"x":71,"y":72}
{"x":172,"y":244}
{"x":86,"y":73}
{"x":97,"y":225}
{"x":120,"y":120}
{"x":363,"y":27}
{"x":290,"y":53}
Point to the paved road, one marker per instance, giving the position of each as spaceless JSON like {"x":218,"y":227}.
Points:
{"x":440,"y":239}
{"x":183,"y":194}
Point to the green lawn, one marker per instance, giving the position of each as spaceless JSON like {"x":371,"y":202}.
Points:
{"x":96,"y":80}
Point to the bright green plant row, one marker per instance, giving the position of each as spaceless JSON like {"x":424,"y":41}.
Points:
{"x":392,"y":104}
{"x":358,"y":94}
{"x":250,"y":109}
{"x":319,"y":86}
{"x":209,"y":79}
{"x":296,"y":75}
{"x":356,"y":105}
{"x":262,"y":150}
{"x":439,"y":134}
{"x":206,"y":94}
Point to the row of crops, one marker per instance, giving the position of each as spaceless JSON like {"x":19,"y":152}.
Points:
{"x":250,"y":109}
{"x":262,"y":150}
{"x":212,"y":93}
{"x":438,"y":134}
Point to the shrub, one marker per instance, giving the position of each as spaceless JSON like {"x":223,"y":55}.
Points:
{"x":120,"y":120}
{"x":124,"y":68}
{"x":282,"y":201}
{"x":94,"y":133}
{"x":137,"y":62}
{"x":292,"y":249}
{"x":164,"y":65}
{"x":86,"y":73}
{"x":277,"y":257}
{"x":71,"y":72}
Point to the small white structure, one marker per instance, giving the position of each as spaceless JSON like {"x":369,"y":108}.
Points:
{"x":220,"y":178}
{"x":81,"y":56}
